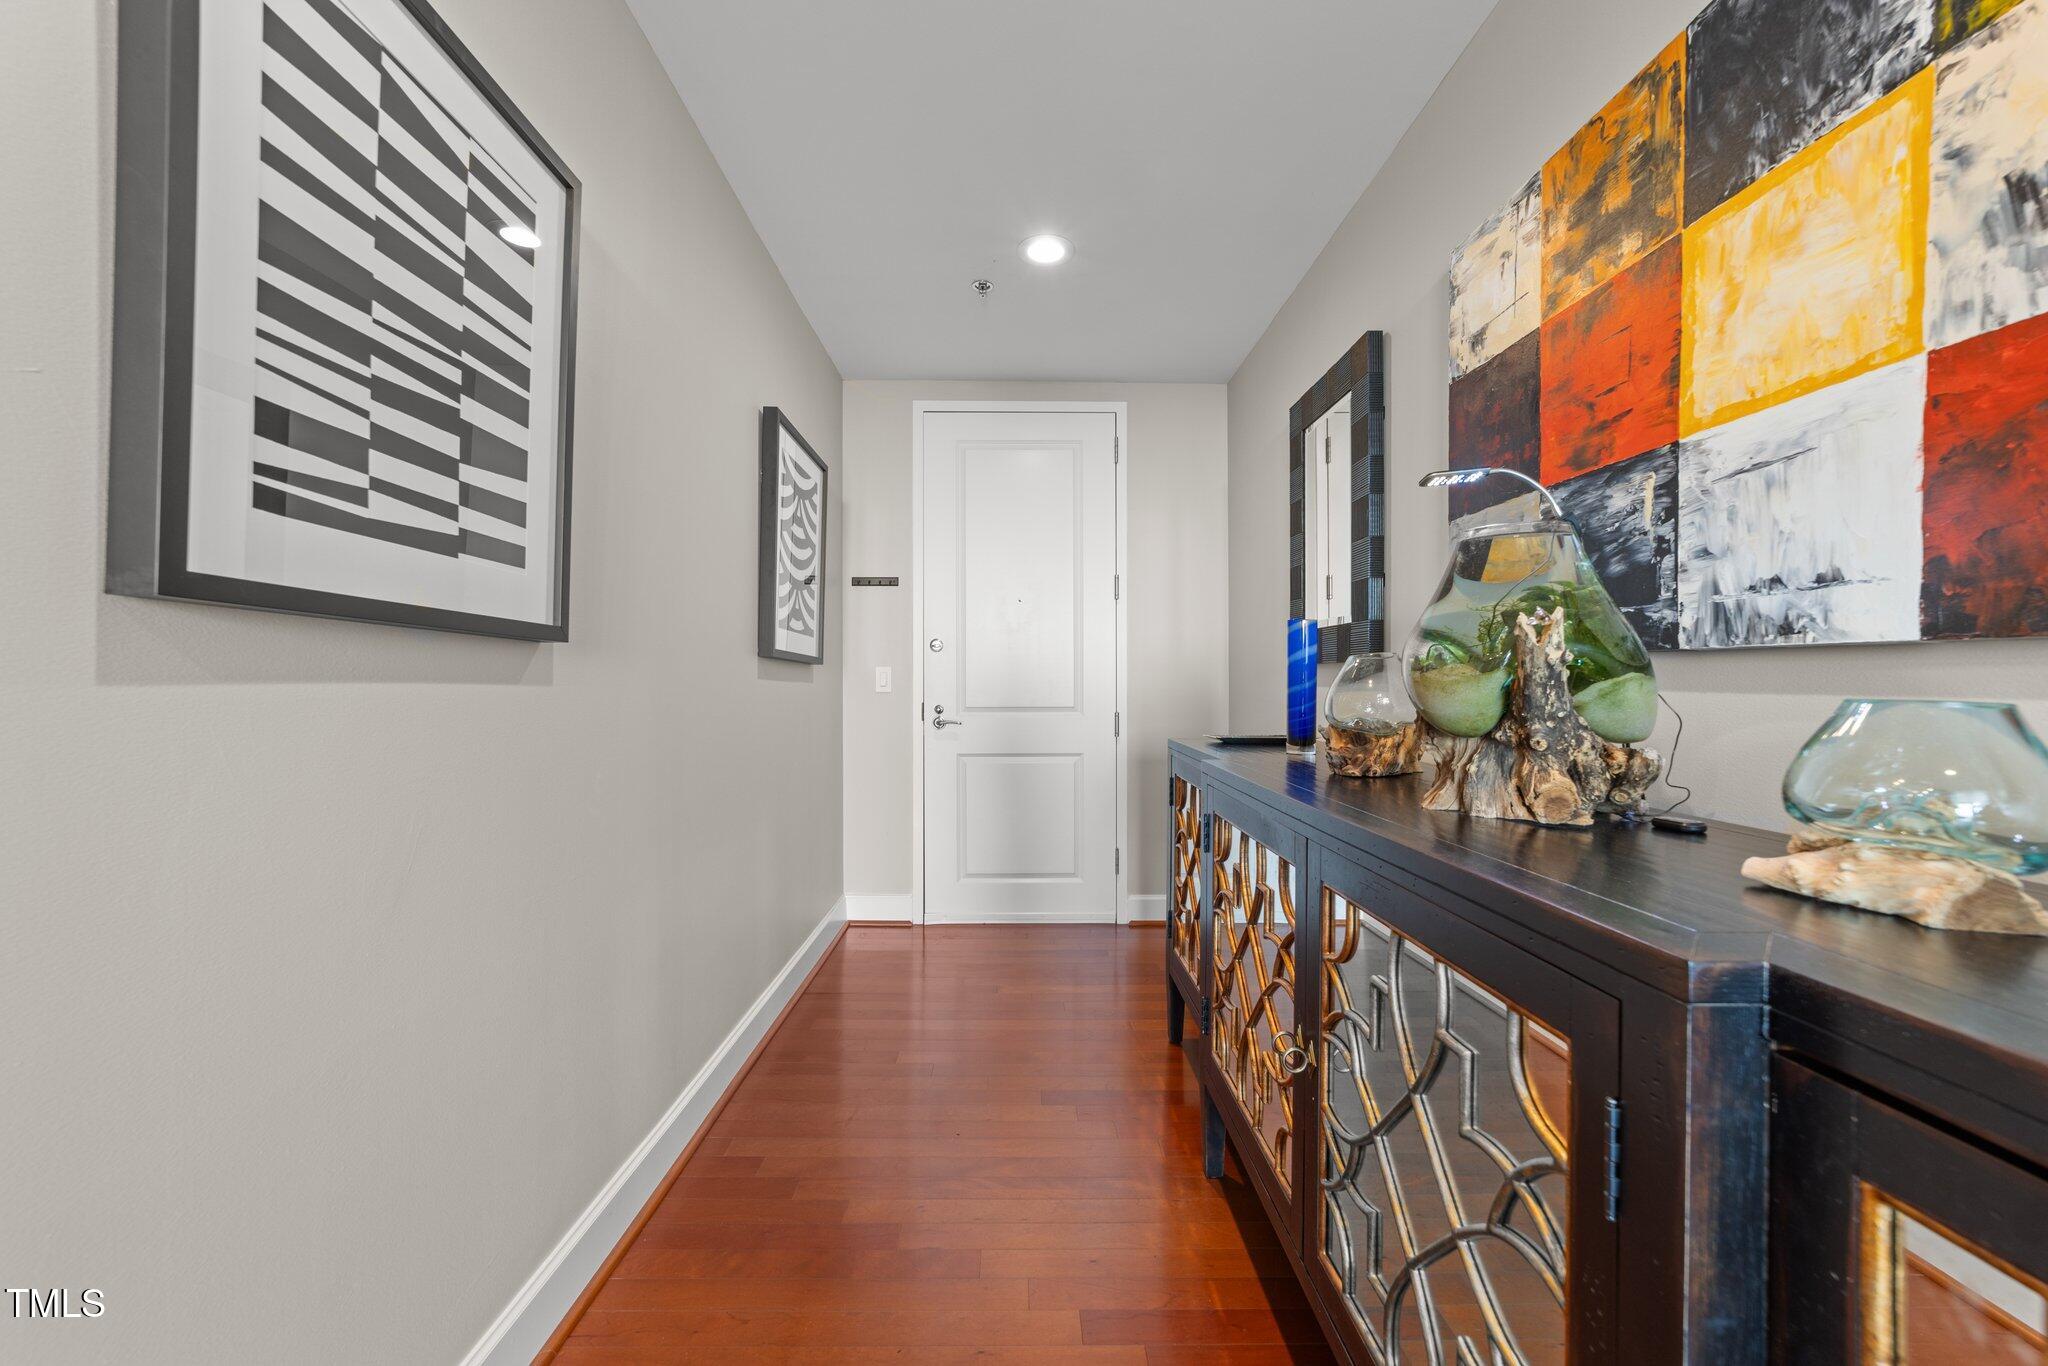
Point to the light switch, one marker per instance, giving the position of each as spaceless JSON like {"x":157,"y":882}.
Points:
{"x":884,"y":679}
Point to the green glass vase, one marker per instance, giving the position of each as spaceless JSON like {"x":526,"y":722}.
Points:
{"x":1460,"y":659}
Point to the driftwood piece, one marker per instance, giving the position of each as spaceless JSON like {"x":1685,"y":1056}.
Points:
{"x":1355,"y":752}
{"x":1934,"y":890}
{"x":1542,"y":763}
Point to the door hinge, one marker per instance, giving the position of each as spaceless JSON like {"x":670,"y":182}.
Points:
{"x":1116,"y":587}
{"x":1205,"y":1015}
{"x":1613,"y":1159}
{"x":1205,"y":837}
{"x":1119,"y":860}
{"x":1116,"y":725}
{"x":1116,"y":450}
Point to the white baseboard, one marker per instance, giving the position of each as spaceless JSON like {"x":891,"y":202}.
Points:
{"x":1149,"y":906}
{"x":525,"y":1325}
{"x":887,"y":906}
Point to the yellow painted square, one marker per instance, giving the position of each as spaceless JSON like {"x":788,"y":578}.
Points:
{"x":1815,"y":273}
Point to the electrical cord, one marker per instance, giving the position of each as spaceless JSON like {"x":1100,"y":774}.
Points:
{"x":1672,"y":767}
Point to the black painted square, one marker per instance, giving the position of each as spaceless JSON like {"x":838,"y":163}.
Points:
{"x":1766,"y":78}
{"x":1627,"y":518}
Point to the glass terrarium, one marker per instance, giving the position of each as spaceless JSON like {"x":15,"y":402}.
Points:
{"x":1461,"y":657}
{"x":1967,"y":779}
{"x":1368,"y":720}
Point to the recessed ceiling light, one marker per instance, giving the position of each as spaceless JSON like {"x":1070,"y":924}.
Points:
{"x":519,"y":235}
{"x":1047,"y":250}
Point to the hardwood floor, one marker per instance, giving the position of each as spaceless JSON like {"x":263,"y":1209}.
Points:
{"x":964,"y":1143}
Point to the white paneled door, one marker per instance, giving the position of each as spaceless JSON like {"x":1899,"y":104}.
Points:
{"x":1020,"y":668}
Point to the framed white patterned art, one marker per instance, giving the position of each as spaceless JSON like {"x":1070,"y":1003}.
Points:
{"x":794,"y":484}
{"x":345,"y":300}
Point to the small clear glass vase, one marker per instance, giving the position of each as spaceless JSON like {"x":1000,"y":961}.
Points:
{"x":1368,"y":719}
{"x":1461,"y":656}
{"x":1967,"y":779}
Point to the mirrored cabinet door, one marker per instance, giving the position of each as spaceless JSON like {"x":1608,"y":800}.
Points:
{"x":1184,"y":908}
{"x":1896,"y":1243}
{"x":1456,"y":1101}
{"x":1254,"y":1040}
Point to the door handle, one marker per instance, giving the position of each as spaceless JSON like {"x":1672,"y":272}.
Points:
{"x":940,"y":720}
{"x":1294,"y":1054}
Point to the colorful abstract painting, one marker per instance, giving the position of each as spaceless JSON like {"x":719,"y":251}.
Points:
{"x":1774,"y":327}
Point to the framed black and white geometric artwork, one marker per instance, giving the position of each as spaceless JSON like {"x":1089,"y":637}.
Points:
{"x":794,"y":483}
{"x":344,"y":337}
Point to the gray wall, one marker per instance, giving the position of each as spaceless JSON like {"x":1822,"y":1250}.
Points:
{"x":343,"y":963}
{"x":1533,"y":74}
{"x":1179,"y":573}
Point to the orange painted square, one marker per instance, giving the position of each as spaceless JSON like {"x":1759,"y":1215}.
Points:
{"x":1610,"y":369}
{"x":1615,"y":191}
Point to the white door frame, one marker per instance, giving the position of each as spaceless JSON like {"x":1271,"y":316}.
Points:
{"x":1120,"y":913}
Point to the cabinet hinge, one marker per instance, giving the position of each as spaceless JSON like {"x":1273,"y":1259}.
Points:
{"x":1205,"y":837}
{"x":1613,"y":1159}
{"x":1205,"y":1016}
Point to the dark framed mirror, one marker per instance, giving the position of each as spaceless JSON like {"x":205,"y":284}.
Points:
{"x":1336,"y":503}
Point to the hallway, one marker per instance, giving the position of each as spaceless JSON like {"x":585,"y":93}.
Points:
{"x":963,"y":1143}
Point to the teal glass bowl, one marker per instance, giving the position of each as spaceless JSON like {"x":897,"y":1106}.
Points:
{"x":1966,"y":779}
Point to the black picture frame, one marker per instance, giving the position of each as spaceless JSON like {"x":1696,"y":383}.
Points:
{"x":149,"y":459}
{"x":1360,"y":372}
{"x":774,"y":425}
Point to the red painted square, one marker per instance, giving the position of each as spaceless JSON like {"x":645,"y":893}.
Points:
{"x":1610,"y":369}
{"x":1984,"y":509}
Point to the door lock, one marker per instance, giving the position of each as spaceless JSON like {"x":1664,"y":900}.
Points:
{"x":936,"y":645}
{"x":940,"y":721}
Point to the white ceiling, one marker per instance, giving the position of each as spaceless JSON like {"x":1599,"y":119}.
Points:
{"x":1199,"y":153}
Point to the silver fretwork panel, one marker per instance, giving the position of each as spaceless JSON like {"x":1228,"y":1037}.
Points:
{"x":1444,"y":1155}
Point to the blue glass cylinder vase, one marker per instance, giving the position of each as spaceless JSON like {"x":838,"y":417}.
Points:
{"x":1304,"y":648}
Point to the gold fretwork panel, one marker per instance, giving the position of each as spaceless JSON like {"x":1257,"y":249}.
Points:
{"x":1933,"y":1298}
{"x":1446,"y":1122}
{"x":1251,"y":1024}
{"x":1184,"y":925}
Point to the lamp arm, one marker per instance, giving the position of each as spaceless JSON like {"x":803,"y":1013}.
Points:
{"x":1447,"y":478}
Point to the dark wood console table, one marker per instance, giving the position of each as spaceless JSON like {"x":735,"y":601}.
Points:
{"x":1525,"y":1095}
